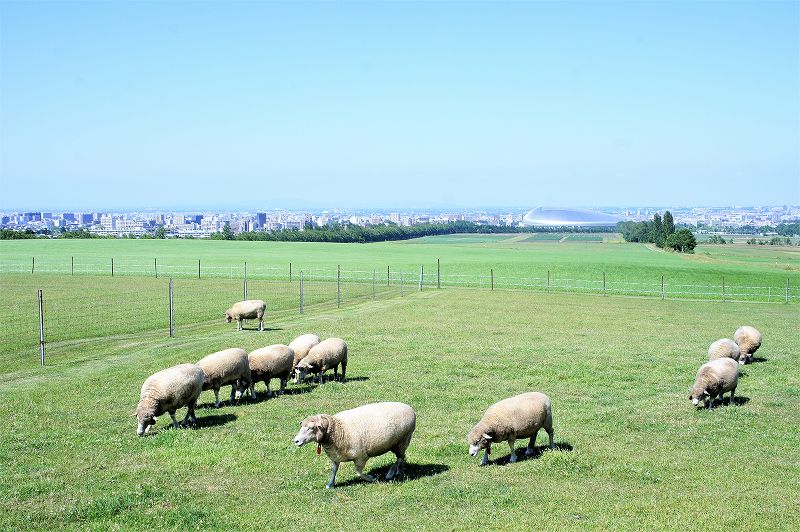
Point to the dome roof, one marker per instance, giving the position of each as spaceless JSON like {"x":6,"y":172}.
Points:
{"x":554,"y":217}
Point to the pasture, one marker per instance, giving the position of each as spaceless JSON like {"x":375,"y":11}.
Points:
{"x":631,"y":450}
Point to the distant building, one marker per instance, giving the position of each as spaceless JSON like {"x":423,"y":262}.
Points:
{"x":552,"y":217}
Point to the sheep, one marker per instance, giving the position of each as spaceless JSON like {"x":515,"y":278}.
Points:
{"x":749,"y":340}
{"x":724,"y":348}
{"x":322,"y":357}
{"x":271,"y":362}
{"x":514,"y":418}
{"x":229,"y":366}
{"x":166,"y":391}
{"x":301,"y":346}
{"x":713,"y":379}
{"x":361,"y":433}
{"x":247,"y":310}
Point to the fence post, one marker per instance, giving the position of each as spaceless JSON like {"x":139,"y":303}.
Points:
{"x":41,"y":326}
{"x":171,"y":311}
{"x":723,"y":288}
{"x":604,"y":283}
{"x":33,"y":264}
{"x":155,"y":266}
{"x":290,"y":272}
{"x":438,"y":275}
{"x":72,"y":266}
{"x":491,"y":279}
{"x":338,"y":286}
{"x":769,"y":293}
{"x":662,"y":287}
{"x":387,"y":275}
{"x":245,"y":280}
{"x":301,"y":292}
{"x":787,"y":290}
{"x":373,"y":285}
{"x":112,"y":266}
{"x":421,"y":276}
{"x":198,"y":268}
{"x":548,"y":280}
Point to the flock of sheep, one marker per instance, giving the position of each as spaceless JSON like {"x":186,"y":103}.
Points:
{"x":375,"y":429}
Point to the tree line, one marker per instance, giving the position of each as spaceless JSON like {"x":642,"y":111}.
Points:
{"x":660,"y":232}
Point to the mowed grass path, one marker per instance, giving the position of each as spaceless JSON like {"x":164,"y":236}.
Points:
{"x":633,"y":452}
{"x":470,"y":255}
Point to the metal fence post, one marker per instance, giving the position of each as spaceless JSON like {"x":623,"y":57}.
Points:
{"x":72,"y":266}
{"x":112,"y":266}
{"x":171,"y":311}
{"x":604,"y":283}
{"x":301,"y":292}
{"x":41,"y":326}
{"x":338,"y":286}
{"x":155,"y":266}
{"x":491,"y":279}
{"x":245,"y":280}
{"x":787,"y":290}
{"x":421,"y":276}
{"x":387,"y":275}
{"x":290,"y":272}
{"x":33,"y":264}
{"x":438,"y":275}
{"x":198,"y":268}
{"x":373,"y":285}
{"x":548,"y":280}
{"x":662,"y":287}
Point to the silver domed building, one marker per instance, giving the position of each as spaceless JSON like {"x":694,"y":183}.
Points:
{"x":553,"y":217}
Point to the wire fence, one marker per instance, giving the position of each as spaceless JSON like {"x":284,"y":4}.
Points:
{"x":80,"y":300}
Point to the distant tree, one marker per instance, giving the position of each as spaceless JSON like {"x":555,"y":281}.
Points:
{"x":161,"y":232}
{"x":669,"y":225}
{"x":657,"y":231}
{"x":682,"y":241}
{"x":227,"y":232}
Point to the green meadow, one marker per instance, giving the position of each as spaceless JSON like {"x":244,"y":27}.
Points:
{"x":631,"y":451}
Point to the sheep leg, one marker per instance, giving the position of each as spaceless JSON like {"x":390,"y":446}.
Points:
{"x":732,"y":392}
{"x":283,"y":385}
{"x":216,"y":397}
{"x":174,"y":421}
{"x":239,"y":325}
{"x":550,"y":434}
{"x":513,"y":457}
{"x":531,"y":450}
{"x":269,"y":393}
{"x":360,"y":463}
{"x":260,"y":324}
{"x":709,"y":402}
{"x":336,"y":372}
{"x":329,"y":485}
{"x":485,"y":459}
{"x":397,"y":469}
{"x":344,"y":367}
{"x":190,"y":418}
{"x":233,"y":392}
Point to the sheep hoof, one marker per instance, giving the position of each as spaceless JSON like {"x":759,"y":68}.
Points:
{"x":512,"y":458}
{"x":368,"y":478}
{"x":529,"y":452}
{"x":328,"y":486}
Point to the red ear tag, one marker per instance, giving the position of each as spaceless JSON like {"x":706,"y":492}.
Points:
{"x":319,"y":448}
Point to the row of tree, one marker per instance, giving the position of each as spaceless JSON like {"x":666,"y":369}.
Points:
{"x":660,"y":232}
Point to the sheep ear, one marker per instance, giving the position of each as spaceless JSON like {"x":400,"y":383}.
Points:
{"x":705,"y":392}
{"x":487,"y":436}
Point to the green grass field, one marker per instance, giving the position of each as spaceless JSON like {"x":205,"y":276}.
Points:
{"x":632,"y":451}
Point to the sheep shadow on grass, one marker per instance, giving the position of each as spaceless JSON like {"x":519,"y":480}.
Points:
{"x":214,"y":420}
{"x":538,"y":451}
{"x":759,"y":359}
{"x":255,"y":328}
{"x":262,"y":393}
{"x":410,"y":472}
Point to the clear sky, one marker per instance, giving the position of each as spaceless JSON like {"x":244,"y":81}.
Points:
{"x":135,"y":105}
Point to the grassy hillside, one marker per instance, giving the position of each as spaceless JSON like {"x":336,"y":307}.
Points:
{"x":632,"y":451}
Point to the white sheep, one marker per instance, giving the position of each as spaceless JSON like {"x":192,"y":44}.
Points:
{"x":229,"y":366}
{"x":301,"y":346}
{"x":271,"y":362}
{"x":749,"y":340}
{"x":247,"y":310}
{"x":724,"y":348}
{"x":713,"y":379}
{"x":167,"y":391}
{"x":361,"y":433}
{"x":514,"y":418}
{"x":328,"y":354}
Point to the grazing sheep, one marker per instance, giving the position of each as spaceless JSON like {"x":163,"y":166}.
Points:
{"x":167,"y":391}
{"x":724,"y":348}
{"x":271,"y":362}
{"x":301,"y":346}
{"x":749,"y":340}
{"x":514,"y":418}
{"x":322,"y":357}
{"x":361,"y":433}
{"x":713,"y":379}
{"x":229,"y":366}
{"x":247,"y":310}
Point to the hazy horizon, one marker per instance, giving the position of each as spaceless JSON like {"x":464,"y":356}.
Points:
{"x":440,"y":105}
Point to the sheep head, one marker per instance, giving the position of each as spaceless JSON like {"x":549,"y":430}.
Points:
{"x":146,"y":417}
{"x":479,"y":439}
{"x":313,"y":428}
{"x":228,"y":317}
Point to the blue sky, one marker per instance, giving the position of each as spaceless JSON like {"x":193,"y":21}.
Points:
{"x":134,"y":105}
